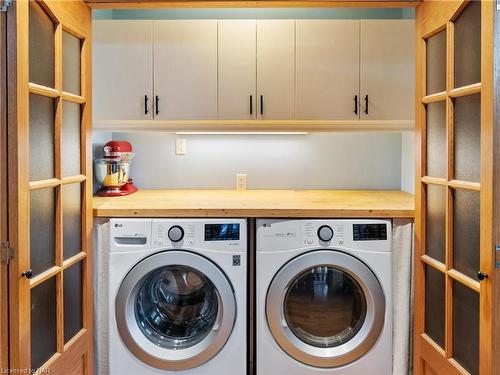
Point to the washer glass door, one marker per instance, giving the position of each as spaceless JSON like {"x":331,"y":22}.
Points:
{"x":175,"y":310}
{"x":176,"y":306}
{"x":325,"y":308}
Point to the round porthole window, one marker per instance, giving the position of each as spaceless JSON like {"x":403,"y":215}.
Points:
{"x":176,"y":307}
{"x":325,"y":308}
{"x":320,"y":292}
{"x":175,"y":310}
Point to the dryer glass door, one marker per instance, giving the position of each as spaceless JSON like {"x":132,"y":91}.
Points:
{"x":320,"y":292}
{"x":325,"y":308}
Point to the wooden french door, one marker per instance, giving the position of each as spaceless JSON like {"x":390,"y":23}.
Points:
{"x":50,"y":187}
{"x":454,"y":249}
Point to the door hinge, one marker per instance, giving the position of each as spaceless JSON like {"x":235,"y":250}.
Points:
{"x":7,"y":252}
{"x":4,"y":5}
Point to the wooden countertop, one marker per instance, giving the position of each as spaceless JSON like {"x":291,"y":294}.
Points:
{"x":258,"y":203}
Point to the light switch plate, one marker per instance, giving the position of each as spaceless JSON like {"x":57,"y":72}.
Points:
{"x":180,"y":146}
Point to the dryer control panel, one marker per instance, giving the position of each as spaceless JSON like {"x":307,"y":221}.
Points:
{"x":367,"y":234}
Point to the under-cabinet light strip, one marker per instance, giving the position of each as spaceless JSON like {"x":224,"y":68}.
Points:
{"x":243,"y":132}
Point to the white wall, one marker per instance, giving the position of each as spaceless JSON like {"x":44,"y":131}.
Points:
{"x":408,"y":162}
{"x":312,"y":161}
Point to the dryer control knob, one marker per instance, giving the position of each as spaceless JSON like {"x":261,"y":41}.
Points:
{"x":176,"y":233}
{"x":325,"y":233}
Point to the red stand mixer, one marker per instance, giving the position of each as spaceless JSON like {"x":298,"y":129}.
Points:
{"x":113,"y":171}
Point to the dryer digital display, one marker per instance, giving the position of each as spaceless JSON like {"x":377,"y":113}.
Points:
{"x":369,"y":232}
{"x":222,"y":232}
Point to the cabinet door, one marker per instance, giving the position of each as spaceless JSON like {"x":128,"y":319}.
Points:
{"x":387,"y":69}
{"x":327,"y":69}
{"x":185,"y":69}
{"x":237,"y":69}
{"x":276,"y":69}
{"x":122,"y":70}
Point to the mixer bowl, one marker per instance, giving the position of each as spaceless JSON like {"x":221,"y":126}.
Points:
{"x":111,"y":174}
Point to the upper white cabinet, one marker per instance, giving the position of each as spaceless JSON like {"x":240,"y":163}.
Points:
{"x":185,"y":69}
{"x":237,"y":69}
{"x":254,"y":70}
{"x":275,"y":69}
{"x":327,"y":55}
{"x":387,"y":69}
{"x":122,"y":70}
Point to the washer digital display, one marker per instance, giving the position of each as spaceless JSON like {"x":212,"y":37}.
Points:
{"x":222,"y":232}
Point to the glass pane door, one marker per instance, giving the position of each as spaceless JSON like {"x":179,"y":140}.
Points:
{"x":51,"y":222}
{"x":450,"y":280}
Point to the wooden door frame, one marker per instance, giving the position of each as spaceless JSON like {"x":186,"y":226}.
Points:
{"x":435,"y":17}
{"x":495,"y":97}
{"x":74,"y":17}
{"x":4,"y":324}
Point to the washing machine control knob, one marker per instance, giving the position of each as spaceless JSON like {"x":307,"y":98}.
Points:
{"x":325,"y":233}
{"x":176,"y":233}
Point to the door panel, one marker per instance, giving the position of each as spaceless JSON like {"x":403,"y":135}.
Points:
{"x":123,"y":70}
{"x":276,"y":69}
{"x":185,"y":69}
{"x":237,"y":69}
{"x":453,"y":237}
{"x":387,"y":69}
{"x":327,"y":69}
{"x":50,"y":216}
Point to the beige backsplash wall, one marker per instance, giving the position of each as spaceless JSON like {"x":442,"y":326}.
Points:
{"x":311,"y":161}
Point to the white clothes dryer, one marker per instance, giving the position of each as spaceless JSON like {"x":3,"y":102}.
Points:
{"x":323,"y":297}
{"x":177,"y":296}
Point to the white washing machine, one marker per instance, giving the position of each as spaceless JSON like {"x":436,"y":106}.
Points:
{"x":178,"y":292}
{"x":323,"y":290}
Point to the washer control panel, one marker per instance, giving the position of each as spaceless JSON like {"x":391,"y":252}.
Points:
{"x":207,"y":233}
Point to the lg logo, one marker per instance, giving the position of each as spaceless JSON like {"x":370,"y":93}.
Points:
{"x":117,"y":225}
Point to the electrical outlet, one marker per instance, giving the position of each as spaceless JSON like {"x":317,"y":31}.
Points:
{"x":180,"y":146}
{"x":241,"y":181}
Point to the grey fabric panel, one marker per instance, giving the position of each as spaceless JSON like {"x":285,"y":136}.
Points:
{"x":402,"y":268}
{"x":101,"y":309}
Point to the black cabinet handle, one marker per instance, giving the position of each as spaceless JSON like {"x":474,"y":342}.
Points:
{"x":28,"y":274}
{"x":157,"y":105}
{"x":481,"y":275}
{"x":262,"y":104}
{"x":366,"y":104}
{"x":251,"y":104}
{"x":355,"y":104}
{"x":145,"y":104}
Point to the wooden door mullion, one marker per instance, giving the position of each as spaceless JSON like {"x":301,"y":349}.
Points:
{"x":58,"y":83}
{"x":488,"y":336}
{"x":448,"y":331}
{"x":448,"y":338}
